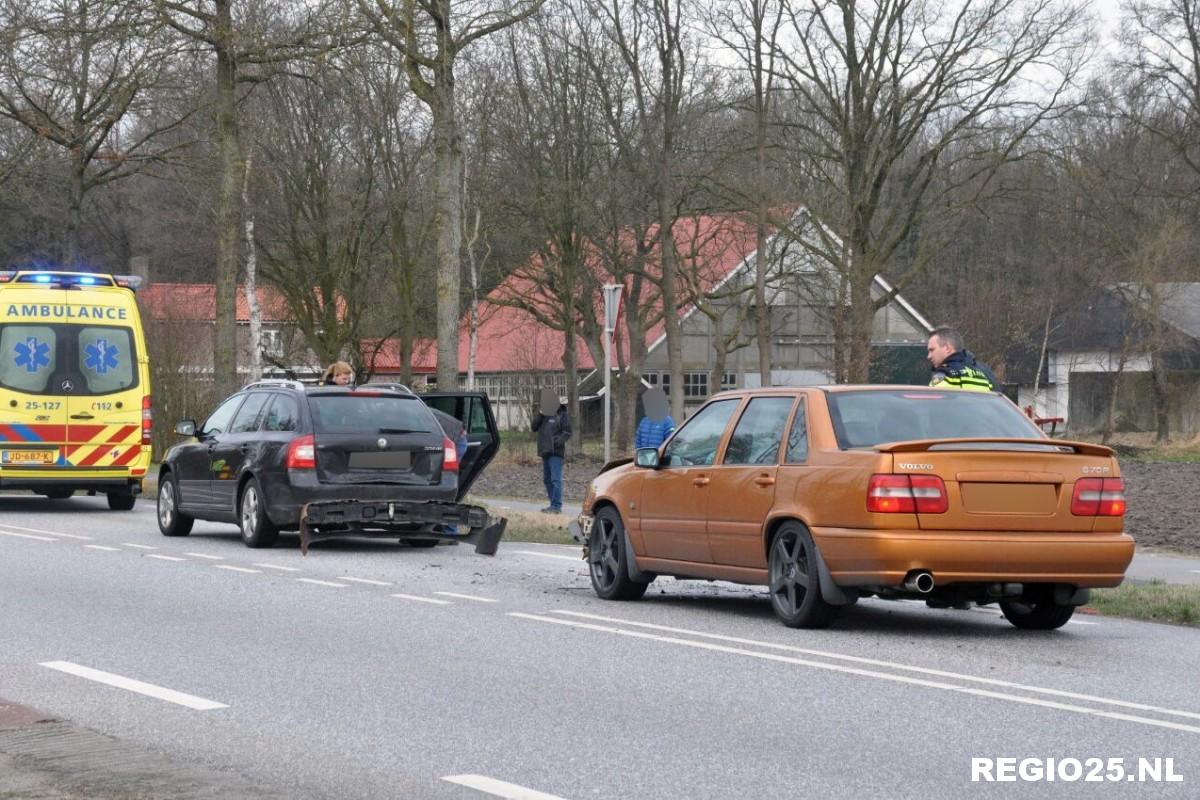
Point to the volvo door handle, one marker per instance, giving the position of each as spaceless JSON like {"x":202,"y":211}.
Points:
{"x":765,"y":480}
{"x":700,"y":482}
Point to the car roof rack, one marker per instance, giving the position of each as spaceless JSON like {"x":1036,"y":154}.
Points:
{"x":275,"y":383}
{"x":399,"y":387}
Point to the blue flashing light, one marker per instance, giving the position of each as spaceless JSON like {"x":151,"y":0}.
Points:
{"x":87,"y":280}
{"x":41,"y":278}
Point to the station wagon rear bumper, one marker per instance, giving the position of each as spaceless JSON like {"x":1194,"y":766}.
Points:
{"x":858,"y":557}
{"x":426,"y":519}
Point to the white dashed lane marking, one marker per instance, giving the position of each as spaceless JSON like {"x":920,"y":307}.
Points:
{"x":28,"y":536}
{"x":165,"y":558}
{"x":232,"y":568}
{"x":497,"y":788}
{"x":11,"y":527}
{"x":202,"y":555}
{"x":276,"y":566}
{"x":467,"y":597}
{"x":364,"y":580}
{"x":102,"y":547}
{"x":129,"y":684}
{"x":430,"y":600}
{"x":139,"y":546}
{"x":322,"y":583}
{"x":577,"y":559}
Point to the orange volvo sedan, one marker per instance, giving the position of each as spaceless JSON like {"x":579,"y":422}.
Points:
{"x":828,"y":494}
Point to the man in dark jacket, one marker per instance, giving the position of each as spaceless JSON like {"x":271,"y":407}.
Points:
{"x":553,"y":428}
{"x":954,"y":367}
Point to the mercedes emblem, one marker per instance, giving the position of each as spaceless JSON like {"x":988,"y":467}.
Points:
{"x":68,"y":386}
{"x":382,"y":443}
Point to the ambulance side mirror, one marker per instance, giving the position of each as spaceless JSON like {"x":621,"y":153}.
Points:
{"x":186,"y":427}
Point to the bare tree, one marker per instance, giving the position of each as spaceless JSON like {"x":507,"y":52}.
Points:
{"x":897,"y":105}
{"x":430,"y":35}
{"x":250,"y":42}
{"x":72,"y":72}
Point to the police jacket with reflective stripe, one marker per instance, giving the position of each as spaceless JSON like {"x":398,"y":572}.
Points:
{"x":961,"y":371}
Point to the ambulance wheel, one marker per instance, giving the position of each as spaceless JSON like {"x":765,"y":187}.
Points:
{"x":121,"y":501}
{"x":58,"y":494}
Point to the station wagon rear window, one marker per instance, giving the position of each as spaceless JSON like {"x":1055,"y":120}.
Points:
{"x":865,"y":419}
{"x":358,"y":413}
{"x":38,"y":359}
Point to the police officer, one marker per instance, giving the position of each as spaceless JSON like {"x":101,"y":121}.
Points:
{"x":953,"y":365}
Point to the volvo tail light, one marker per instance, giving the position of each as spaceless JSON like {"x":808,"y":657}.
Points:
{"x":147,"y":420}
{"x":907,"y":494}
{"x":449,"y":456}
{"x":302,"y":453}
{"x":1098,"y":497}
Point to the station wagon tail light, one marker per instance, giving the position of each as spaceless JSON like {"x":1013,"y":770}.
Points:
{"x":907,"y":494}
{"x":147,"y":420}
{"x":302,"y":453}
{"x":449,"y":456}
{"x":1098,"y":497}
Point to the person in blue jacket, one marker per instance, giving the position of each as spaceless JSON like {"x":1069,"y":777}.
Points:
{"x":657,"y":425}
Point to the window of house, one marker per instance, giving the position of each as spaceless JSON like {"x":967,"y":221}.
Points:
{"x":271,"y":341}
{"x":695,"y":384}
{"x":728,"y":381}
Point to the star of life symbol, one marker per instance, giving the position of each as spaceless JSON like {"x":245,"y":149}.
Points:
{"x":101,"y":356}
{"x":32,"y":355}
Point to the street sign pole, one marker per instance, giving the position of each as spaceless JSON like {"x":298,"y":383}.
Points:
{"x":612,"y":310}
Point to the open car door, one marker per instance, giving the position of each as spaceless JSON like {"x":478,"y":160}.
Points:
{"x":474,"y":411}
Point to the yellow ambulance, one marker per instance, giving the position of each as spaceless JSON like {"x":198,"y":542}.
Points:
{"x":75,"y":412}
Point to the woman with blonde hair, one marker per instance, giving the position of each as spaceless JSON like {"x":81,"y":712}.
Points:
{"x":339,"y":374}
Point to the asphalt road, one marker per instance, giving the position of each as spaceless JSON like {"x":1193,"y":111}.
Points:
{"x":372,"y":670}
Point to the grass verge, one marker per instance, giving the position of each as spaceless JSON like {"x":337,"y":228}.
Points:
{"x":543,"y":528}
{"x":1155,"y":602}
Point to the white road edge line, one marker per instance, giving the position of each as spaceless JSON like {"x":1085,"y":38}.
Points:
{"x":276,"y":566}
{"x":165,"y":558}
{"x":29,"y":536}
{"x":509,"y":791}
{"x":364,"y":580}
{"x":202,"y":555}
{"x":148,"y":689}
{"x":232,"y":568}
{"x":468,"y":597}
{"x":866,"y":673}
{"x":11,"y":527}
{"x":322,"y":583}
{"x":578,"y":559}
{"x":102,"y":547}
{"x":895,"y":665}
{"x":430,"y":600}
{"x":139,"y":546}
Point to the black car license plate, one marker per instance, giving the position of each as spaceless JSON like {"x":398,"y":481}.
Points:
{"x":391,"y":459}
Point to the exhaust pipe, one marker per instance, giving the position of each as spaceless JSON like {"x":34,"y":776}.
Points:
{"x":919,"y":580}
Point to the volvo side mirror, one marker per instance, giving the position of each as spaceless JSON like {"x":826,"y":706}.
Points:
{"x":647,"y":457}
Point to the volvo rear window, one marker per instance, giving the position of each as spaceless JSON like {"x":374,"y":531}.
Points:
{"x":371,"y":413}
{"x":865,"y":419}
{"x":93,"y":360}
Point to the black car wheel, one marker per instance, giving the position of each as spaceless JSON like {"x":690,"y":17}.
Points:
{"x":1039,"y":615}
{"x":795,"y":584}
{"x":257,"y":528}
{"x":122,"y":501}
{"x":171,"y":521}
{"x":607,"y":559}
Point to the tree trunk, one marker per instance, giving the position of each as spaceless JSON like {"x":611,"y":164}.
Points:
{"x":256,"y":370}
{"x":570,"y":359}
{"x":448,"y":155}
{"x":666,"y":245}
{"x":70,"y":246}
{"x":225,"y":378}
{"x":1162,"y":397}
{"x":862,"y":322}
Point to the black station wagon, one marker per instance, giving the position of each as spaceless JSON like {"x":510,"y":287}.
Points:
{"x":332,"y":461}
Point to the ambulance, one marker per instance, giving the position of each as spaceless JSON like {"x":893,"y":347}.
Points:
{"x":75,"y":411}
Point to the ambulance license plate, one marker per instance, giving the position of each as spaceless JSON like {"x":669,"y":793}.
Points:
{"x":36,"y":457}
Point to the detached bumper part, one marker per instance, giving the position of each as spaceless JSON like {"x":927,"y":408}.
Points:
{"x":581,"y":528}
{"x":432,"y":519}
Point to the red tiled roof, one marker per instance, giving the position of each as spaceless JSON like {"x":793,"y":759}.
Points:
{"x":512,"y":339}
{"x":197,"y":302}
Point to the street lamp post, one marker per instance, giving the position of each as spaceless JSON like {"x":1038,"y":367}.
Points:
{"x":612,"y":312}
